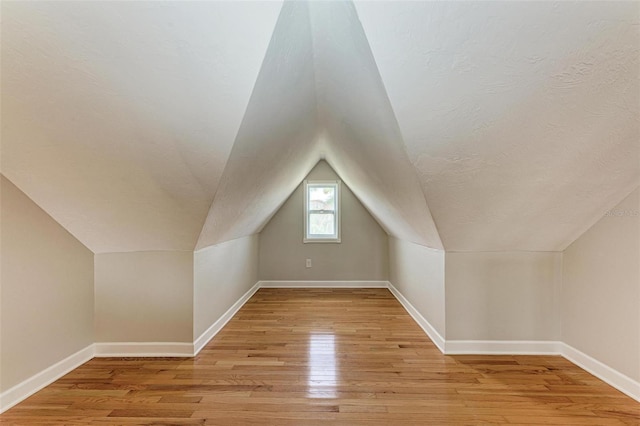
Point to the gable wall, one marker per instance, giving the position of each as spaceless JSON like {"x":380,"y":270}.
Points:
{"x":362,"y":254}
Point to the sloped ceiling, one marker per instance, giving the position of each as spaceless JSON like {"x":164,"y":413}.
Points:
{"x":169,"y":125}
{"x":318,"y":95}
{"x":521,"y":118}
{"x":276,"y":144}
{"x":118,"y":117}
{"x":361,"y":136}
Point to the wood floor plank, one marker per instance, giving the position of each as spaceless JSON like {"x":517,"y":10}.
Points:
{"x":325,"y":356}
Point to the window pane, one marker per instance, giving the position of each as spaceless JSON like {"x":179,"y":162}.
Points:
{"x":322,"y":198}
{"x":321,"y":224}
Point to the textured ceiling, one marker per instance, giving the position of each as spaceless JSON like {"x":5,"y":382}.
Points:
{"x":174,"y":125}
{"x":521,"y":118}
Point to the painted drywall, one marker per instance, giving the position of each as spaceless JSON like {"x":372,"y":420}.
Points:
{"x":521,"y":118}
{"x":503,"y":295}
{"x":361,"y":255}
{"x":276,"y":143}
{"x":144,"y":297}
{"x":486,"y":119}
{"x":360,"y":134}
{"x":222,"y":274}
{"x":601,"y":289}
{"x":47,"y":289}
{"x":318,"y":94}
{"x":418,"y":272}
{"x":119,"y":117}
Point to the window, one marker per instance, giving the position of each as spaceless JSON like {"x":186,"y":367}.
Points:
{"x":322,"y":211}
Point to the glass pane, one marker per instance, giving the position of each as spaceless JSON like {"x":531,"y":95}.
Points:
{"x":322,"y":198}
{"x":321,"y":224}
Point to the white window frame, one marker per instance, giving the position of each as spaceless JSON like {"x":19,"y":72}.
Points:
{"x":311,"y":238}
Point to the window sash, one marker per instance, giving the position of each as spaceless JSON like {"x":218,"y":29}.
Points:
{"x":335,"y":212}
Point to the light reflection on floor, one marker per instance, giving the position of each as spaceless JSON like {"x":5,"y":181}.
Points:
{"x":323,"y":368}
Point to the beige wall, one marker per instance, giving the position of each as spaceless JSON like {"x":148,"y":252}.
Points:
{"x":503,"y":295}
{"x":418,"y":273}
{"x":222,"y":274}
{"x":362,"y":255}
{"x":47,"y":290}
{"x":144,"y":296}
{"x":601,"y":289}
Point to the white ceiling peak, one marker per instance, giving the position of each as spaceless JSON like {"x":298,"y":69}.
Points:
{"x":362,"y":137}
{"x":276,"y":144}
{"x":318,"y":91}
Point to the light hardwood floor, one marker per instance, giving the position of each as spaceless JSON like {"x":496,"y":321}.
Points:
{"x":321,"y":356}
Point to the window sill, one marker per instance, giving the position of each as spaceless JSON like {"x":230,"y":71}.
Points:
{"x":321,"y":240}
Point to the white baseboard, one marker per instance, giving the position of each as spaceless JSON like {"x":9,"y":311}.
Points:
{"x":33,"y":384}
{"x":323,"y":284}
{"x":502,"y":347}
{"x":433,"y":334}
{"x":215,"y":328}
{"x":23,"y":390}
{"x":143,"y":349}
{"x":602,"y":371}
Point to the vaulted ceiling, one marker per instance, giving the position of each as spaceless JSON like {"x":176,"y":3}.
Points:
{"x":464,"y":126}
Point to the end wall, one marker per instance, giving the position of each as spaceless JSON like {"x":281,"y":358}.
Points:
{"x":362,"y":255}
{"x":417,"y":272}
{"x":46,"y":297}
{"x":503,"y":296}
{"x":144,"y":297}
{"x":222,"y":275}
{"x":601,"y":290}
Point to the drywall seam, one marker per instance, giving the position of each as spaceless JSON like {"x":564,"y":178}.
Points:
{"x":215,"y":328}
{"x":324,"y":284}
{"x":33,"y":384}
{"x":429,"y":330}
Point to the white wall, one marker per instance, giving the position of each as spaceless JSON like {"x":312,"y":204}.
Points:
{"x":361,"y":255}
{"x":503,"y":295}
{"x":144,"y":296}
{"x":47,"y":290}
{"x":601,"y":289}
{"x":418,"y":273}
{"x":222,"y":274}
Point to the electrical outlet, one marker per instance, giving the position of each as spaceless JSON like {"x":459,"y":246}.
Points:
{"x":308,"y":263}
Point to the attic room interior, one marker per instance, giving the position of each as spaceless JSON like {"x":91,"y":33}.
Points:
{"x":312,"y":212}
